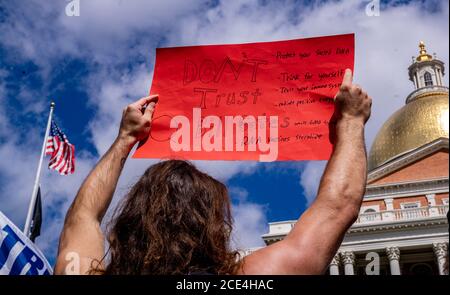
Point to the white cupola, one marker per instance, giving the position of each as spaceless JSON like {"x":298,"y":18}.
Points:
{"x":426,"y":70}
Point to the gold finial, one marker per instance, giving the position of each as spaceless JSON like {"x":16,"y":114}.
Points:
{"x":422,"y":47}
{"x":423,"y":55}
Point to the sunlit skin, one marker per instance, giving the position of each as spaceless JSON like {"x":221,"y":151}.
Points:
{"x":307,"y":249}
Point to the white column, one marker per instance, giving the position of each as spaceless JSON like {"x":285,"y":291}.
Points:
{"x":334,"y":265}
{"x":348,"y":258}
{"x":440,"y":250}
{"x":419,"y":81}
{"x":393,"y":254}
{"x":389,"y":215}
{"x":432,"y":203}
{"x":436,"y":79}
{"x":440,"y":76}
{"x":415,"y":81}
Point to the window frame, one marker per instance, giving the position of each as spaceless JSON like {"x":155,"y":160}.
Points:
{"x":428,"y":82}
{"x":404,"y":204}
{"x":373,"y":207}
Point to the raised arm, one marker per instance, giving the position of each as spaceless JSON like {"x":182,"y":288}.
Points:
{"x":82,"y":241}
{"x":312,"y":243}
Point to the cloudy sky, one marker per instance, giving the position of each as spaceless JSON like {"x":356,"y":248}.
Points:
{"x":94,"y":64}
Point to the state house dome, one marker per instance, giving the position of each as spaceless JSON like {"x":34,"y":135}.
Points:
{"x":423,"y":119}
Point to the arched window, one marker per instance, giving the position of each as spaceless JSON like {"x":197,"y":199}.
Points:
{"x":428,"y":80}
{"x":370,"y":210}
{"x":369,"y":215}
{"x":422,"y":269}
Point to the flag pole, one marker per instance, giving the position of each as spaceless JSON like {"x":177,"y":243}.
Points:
{"x":26,"y":229}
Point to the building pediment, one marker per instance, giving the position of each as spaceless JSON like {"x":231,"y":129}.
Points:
{"x":413,"y":165}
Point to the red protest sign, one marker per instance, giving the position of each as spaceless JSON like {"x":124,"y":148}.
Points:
{"x":260,"y":101}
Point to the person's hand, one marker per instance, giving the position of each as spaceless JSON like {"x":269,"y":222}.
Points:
{"x":136,"y":120}
{"x":351,"y":101}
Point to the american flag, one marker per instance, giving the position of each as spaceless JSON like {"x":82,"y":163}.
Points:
{"x":61,"y":150}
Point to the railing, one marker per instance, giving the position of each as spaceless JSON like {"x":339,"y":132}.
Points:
{"x":425,"y":89}
{"x":403,"y":214}
{"x":442,"y":210}
{"x":370,"y":217}
{"x":280,"y":229}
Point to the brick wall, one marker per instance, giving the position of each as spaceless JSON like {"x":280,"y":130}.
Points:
{"x":433,"y":166}
{"x":380,"y":203}
{"x":422,"y":199}
{"x":439,"y":198}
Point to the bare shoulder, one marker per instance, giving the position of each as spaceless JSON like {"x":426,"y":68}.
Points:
{"x":81,"y":248}
{"x":277,"y":259}
{"x":71,"y":263}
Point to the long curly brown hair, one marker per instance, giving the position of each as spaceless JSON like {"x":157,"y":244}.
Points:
{"x":174,"y":220}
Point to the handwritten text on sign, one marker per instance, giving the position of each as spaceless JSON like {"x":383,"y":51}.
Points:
{"x":261,"y":101}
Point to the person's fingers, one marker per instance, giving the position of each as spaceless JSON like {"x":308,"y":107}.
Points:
{"x":347,"y":80}
{"x":148,"y":113}
{"x":365,"y":95}
{"x":338,"y":96}
{"x":153,"y":98}
{"x":144,"y":101}
{"x":139,"y":103}
{"x":356,"y":90}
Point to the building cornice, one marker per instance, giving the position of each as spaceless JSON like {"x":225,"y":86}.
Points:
{"x":426,"y":92}
{"x":394,"y":225}
{"x":398,"y":241}
{"x":381,"y":226}
{"x":407,"y":188}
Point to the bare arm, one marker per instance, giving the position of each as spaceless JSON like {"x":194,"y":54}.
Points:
{"x":310,"y":246}
{"x":81,"y":235}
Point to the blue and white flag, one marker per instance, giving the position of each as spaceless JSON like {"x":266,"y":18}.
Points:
{"x":18,"y":255}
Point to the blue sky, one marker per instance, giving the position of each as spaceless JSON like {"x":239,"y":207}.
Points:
{"x":94,"y":64}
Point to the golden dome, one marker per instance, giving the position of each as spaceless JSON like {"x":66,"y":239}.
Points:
{"x":422,"y":120}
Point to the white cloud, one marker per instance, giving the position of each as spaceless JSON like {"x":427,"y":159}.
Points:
{"x":106,"y":31}
{"x":249,"y":220}
{"x":109,"y":95}
{"x":310,"y":177}
{"x":224,"y":170}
